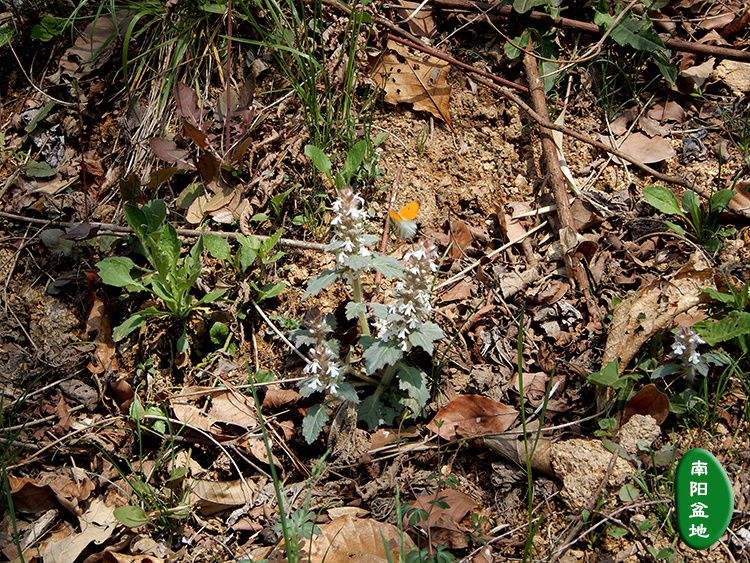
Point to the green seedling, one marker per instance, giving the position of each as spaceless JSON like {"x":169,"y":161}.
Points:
{"x":698,"y":221}
{"x":252,"y":252}
{"x":172,"y":278}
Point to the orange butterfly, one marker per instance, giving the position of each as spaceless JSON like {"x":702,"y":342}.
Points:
{"x":404,"y":220}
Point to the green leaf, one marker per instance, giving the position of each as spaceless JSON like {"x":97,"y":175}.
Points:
{"x":511,"y":48}
{"x":690,"y":203}
{"x":388,"y":266}
{"x":131,"y":516}
{"x":115,"y":271}
{"x":313,"y":423}
{"x":210,"y":297}
{"x":347,"y":392}
{"x":616,"y":531}
{"x":722,"y":296}
{"x":354,"y":310}
{"x":720,"y":200}
{"x":380,"y":354}
{"x":662,"y":199}
{"x":7,"y":33}
{"x":734,"y":324}
{"x":319,"y":159}
{"x":247,"y":256}
{"x":218,"y":247}
{"x":39,"y":169}
{"x":675,"y":227}
{"x":354,"y":159}
{"x":523,"y":6}
{"x":167,"y":250}
{"x":667,"y":70}
{"x":136,"y":411}
{"x":424,"y":336}
{"x":374,"y":413}
{"x":320,"y":282}
{"x":155,"y":213}
{"x":271,"y":242}
{"x":131,"y":323}
{"x":630,"y":31}
{"x":414,"y":382}
{"x":47,"y":29}
{"x":41,"y":114}
{"x":134,"y":322}
{"x":608,"y":376}
{"x":182,"y":343}
{"x":628,"y":493}
{"x":136,"y":220}
{"x":269,"y":290}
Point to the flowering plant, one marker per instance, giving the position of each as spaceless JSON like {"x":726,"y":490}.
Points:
{"x":398,"y":327}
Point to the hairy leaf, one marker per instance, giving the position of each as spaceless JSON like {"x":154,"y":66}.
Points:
{"x":320,"y":282}
{"x":381,"y":354}
{"x":313,"y":423}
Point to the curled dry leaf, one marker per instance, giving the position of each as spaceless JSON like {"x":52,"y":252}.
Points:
{"x":467,"y":416}
{"x":445,"y":511}
{"x":348,"y":539}
{"x":653,"y":307}
{"x":417,"y":79}
{"x":648,"y":401}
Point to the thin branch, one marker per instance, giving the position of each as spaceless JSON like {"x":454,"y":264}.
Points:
{"x":117,"y":229}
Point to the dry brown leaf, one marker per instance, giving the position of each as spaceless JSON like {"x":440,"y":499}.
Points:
{"x":211,"y":496}
{"x":653,"y":307}
{"x":735,"y":74}
{"x":740,"y":203}
{"x":187,"y":104}
{"x":467,"y":416}
{"x":96,"y":524}
{"x":417,"y":79}
{"x":695,"y":76}
{"x":348,"y":539}
{"x":95,"y":46}
{"x":114,"y":557}
{"x":648,"y":401}
{"x":647,"y":150}
{"x":421,"y":24}
{"x":227,"y":408}
{"x":444,"y":523}
{"x":716,"y":22}
{"x":280,"y":398}
{"x":671,"y":111}
{"x":653,"y":128}
{"x":167,"y":149}
{"x":459,"y":292}
{"x":620,"y":124}
{"x":461,"y":237}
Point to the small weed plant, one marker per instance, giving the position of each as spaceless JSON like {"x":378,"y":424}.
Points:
{"x":698,"y":221}
{"x":172,"y":278}
{"x":397,"y":328}
{"x":252,"y":252}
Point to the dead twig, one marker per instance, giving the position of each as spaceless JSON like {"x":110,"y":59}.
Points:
{"x":458,"y":64}
{"x":568,"y":232}
{"x":546,"y":19}
{"x":195,"y":233}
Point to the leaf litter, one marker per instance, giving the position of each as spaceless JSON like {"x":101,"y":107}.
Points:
{"x":476,"y":176}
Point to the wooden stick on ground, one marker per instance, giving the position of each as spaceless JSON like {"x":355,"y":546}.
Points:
{"x":568,"y":231}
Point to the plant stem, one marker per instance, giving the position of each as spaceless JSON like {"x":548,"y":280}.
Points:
{"x":385,"y":382}
{"x":357,"y":286}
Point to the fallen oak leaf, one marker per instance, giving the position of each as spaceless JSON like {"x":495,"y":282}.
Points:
{"x":420,"y":80}
{"x":468,"y":416}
